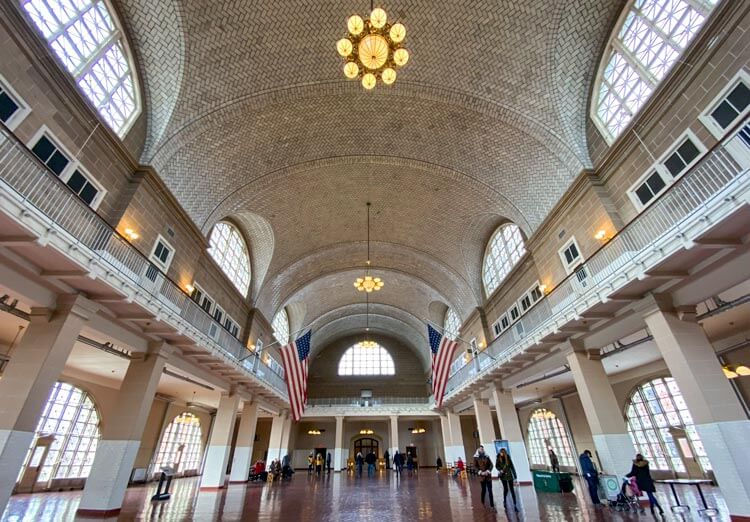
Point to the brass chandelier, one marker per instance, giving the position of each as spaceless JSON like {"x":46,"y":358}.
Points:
{"x":373,"y":48}
{"x":368,"y":283}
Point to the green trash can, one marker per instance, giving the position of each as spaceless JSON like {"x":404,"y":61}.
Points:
{"x":566,"y":482}
{"x":549,"y":482}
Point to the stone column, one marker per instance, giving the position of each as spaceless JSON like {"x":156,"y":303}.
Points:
{"x":339,"y":451}
{"x":243,"y":449}
{"x":510,"y":430}
{"x":217,"y":456}
{"x":716,"y":411}
{"x":394,"y":435}
{"x":122,"y":434}
{"x":455,"y":448}
{"x":603,"y":413}
{"x":30,"y":374}
{"x":286,"y":439}
{"x":275,"y":440}
{"x":485,"y":426}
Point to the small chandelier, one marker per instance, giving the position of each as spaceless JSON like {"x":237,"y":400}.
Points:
{"x":368,"y":283}
{"x":366,"y":431}
{"x":373,"y":49}
{"x":367,"y":344}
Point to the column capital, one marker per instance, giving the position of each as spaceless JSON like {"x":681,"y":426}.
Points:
{"x":663,"y":303}
{"x":161,"y":349}
{"x":572,"y":346}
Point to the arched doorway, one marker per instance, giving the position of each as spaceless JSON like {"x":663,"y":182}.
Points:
{"x":66,"y":438}
{"x":545,"y":432}
{"x":365,"y":445}
{"x":662,"y":429}
{"x":181,"y":446}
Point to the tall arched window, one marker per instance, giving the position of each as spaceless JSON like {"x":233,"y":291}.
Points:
{"x":181,"y":446}
{"x":230,"y":252}
{"x":649,"y":38}
{"x":280,"y":326}
{"x":505,"y":249}
{"x":89,"y":42}
{"x":71,"y":417}
{"x":547,"y":432}
{"x":451,"y":324}
{"x":366,"y":360}
{"x":657,"y":414}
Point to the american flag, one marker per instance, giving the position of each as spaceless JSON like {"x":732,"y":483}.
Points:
{"x":443,"y":350}
{"x":294,"y":356}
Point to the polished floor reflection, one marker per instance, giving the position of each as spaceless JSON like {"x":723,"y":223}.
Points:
{"x":344,"y":498}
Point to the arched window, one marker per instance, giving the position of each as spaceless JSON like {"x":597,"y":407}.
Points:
{"x":451,"y":325}
{"x":366,"y":360}
{"x":181,"y":445}
{"x":657,"y":415}
{"x":649,"y":38}
{"x":230,"y":252}
{"x":547,"y":432}
{"x":89,"y":42}
{"x":505,"y":249}
{"x":280,"y":326}
{"x":70,"y":416}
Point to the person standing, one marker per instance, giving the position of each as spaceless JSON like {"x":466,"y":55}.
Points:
{"x":387,"y":457}
{"x":439,"y":464}
{"x":371,"y":459}
{"x":398,"y":463}
{"x":310,"y":463}
{"x":328,"y":462}
{"x":554,"y":461}
{"x":591,"y":475}
{"x":483,"y":464}
{"x":318,"y":463}
{"x":507,"y":472}
{"x":409,"y":462}
{"x":360,"y":461}
{"x":642,"y":475}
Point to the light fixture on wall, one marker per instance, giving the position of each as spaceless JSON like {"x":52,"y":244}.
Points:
{"x":602,"y":235}
{"x":131,"y":234}
{"x":368,"y":283}
{"x":417,"y":431}
{"x":732,"y":372}
{"x":373,"y":48}
{"x":314,"y":431}
{"x":366,"y":431}
{"x":189,"y":289}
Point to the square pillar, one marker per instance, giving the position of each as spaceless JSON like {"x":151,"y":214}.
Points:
{"x":394,"y":435}
{"x":454,"y":446}
{"x":243,"y":449}
{"x":121,"y":435}
{"x":338,"y":452}
{"x":275,"y":440}
{"x":486,"y":428}
{"x":30,"y":374}
{"x":717,"y":413}
{"x":217,"y":456}
{"x":510,"y":430}
{"x":604,"y":415}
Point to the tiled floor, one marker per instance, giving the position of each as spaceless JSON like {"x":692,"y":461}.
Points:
{"x":343,"y":498}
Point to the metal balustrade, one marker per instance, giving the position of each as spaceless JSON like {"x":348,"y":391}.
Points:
{"x":368,"y":402}
{"x":627,"y":255}
{"x":31,"y":181}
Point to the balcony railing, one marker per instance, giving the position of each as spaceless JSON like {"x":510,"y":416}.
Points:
{"x":366,"y":403}
{"x":626,"y":256}
{"x":23,"y":174}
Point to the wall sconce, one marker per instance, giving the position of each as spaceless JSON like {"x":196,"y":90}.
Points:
{"x":314,"y":432}
{"x":366,"y":431}
{"x":190,"y":289}
{"x":602,"y":235}
{"x":417,"y":431}
{"x":543,"y":289}
{"x":131,"y":234}
{"x":482,"y":345}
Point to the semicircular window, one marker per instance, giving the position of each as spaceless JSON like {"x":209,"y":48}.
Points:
{"x":363,"y":359}
{"x":505,"y":249}
{"x":90,"y":44}
{"x":647,"y":41}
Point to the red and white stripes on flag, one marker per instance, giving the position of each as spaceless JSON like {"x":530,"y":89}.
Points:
{"x":294,"y":357}
{"x":443,"y":350}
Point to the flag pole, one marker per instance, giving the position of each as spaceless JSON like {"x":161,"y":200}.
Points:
{"x":442,"y":331}
{"x":292,"y":334}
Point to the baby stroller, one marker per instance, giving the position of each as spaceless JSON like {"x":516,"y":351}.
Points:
{"x":627,"y":499}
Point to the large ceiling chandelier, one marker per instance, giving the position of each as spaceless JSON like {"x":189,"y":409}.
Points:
{"x":368,"y":283}
{"x":373,"y":48}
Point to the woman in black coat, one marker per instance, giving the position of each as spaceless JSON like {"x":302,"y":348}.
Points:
{"x":645,"y":483}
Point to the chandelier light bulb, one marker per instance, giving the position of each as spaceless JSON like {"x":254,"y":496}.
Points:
{"x":398,"y":33}
{"x":351,"y":70}
{"x":344,"y":47}
{"x":388,"y":76}
{"x":401,"y":56}
{"x":355,"y":24}
{"x":378,"y":18}
{"x":368,"y":81}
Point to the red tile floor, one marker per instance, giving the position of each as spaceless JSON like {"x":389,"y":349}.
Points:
{"x":343,"y":498}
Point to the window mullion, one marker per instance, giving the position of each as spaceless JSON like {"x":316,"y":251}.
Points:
{"x":87,"y":64}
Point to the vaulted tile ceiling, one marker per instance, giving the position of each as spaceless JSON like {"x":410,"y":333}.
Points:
{"x":249,"y":116}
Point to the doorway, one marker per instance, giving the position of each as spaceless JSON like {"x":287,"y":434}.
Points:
{"x":365,"y":445}
{"x":687,"y":455}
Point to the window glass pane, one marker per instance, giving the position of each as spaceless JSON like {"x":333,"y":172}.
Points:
{"x":505,"y":249}
{"x":724,"y":114}
{"x":451,"y":324}
{"x":545,"y":432}
{"x":89,"y":45}
{"x":280,"y":326}
{"x":43,"y":148}
{"x":641,"y":53}
{"x":366,"y":360}
{"x":76,"y":181}
{"x":8,"y":107}
{"x":229,"y":251}
{"x":181,"y":447}
{"x":739,"y":97}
